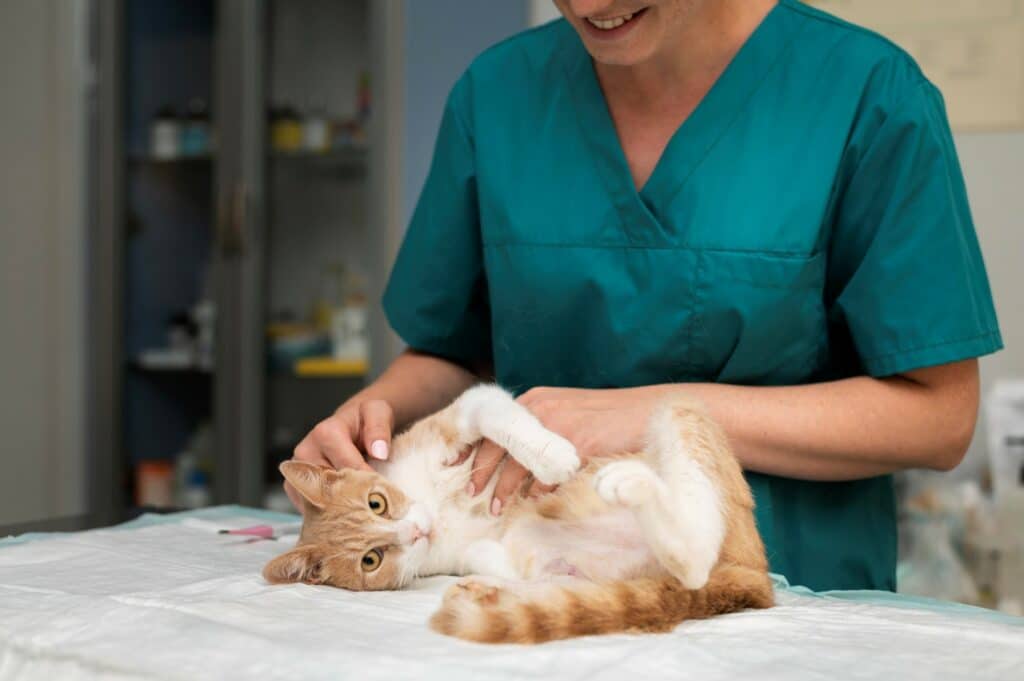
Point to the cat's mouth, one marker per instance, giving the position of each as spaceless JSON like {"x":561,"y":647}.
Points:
{"x":417,"y":527}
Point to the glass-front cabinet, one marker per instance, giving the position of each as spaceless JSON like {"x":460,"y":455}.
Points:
{"x":235,"y":187}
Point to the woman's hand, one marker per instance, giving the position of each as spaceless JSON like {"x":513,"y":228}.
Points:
{"x":341,"y":440}
{"x":597,"y":422}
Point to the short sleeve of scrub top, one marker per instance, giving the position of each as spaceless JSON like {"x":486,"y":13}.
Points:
{"x":808,"y":222}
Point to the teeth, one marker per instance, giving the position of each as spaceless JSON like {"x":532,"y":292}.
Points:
{"x":609,"y":24}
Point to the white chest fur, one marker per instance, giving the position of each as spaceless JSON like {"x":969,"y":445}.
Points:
{"x":458,"y":521}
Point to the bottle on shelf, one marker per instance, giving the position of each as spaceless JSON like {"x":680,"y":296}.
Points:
{"x":286,"y":133}
{"x":348,"y":321}
{"x":165,"y":134}
{"x":154,"y":484}
{"x":195,"y":132}
{"x":316,"y":129}
{"x":192,"y":470}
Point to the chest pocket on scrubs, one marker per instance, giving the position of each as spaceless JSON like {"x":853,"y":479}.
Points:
{"x":759,"y":318}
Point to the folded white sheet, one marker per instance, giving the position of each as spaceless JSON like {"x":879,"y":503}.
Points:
{"x":182,"y":602}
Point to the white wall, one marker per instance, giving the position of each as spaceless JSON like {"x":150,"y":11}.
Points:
{"x":541,"y":11}
{"x":42,"y":219}
{"x":993,"y":165}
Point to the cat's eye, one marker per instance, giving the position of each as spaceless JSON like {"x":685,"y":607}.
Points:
{"x":372,"y":560}
{"x":378,"y":504}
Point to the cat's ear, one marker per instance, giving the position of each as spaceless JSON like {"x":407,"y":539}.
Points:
{"x":301,"y":564}
{"x":308,"y":480}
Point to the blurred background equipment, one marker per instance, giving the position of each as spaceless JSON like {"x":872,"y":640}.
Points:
{"x":962,"y":538}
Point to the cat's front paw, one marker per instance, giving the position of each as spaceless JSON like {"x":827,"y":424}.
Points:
{"x":626,"y":483}
{"x":555,"y":462}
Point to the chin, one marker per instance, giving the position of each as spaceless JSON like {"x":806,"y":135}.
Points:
{"x":414,"y":562}
{"x":638,"y":49}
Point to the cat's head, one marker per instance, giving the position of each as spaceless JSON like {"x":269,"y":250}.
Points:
{"x":359,"y":531}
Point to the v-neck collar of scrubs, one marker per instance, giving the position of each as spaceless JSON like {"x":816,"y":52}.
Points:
{"x":641,"y":211}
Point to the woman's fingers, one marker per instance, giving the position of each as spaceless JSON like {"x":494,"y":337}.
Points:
{"x":308,"y":451}
{"x":539,"y":489}
{"x":343,"y":454}
{"x":487,"y":458}
{"x":509,"y":482}
{"x":463,"y":455}
{"x":377,"y":421}
{"x":329,"y":444}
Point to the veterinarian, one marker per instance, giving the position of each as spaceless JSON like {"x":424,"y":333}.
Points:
{"x":744,"y":200}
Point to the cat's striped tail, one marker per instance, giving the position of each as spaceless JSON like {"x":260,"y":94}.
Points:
{"x":533,"y":612}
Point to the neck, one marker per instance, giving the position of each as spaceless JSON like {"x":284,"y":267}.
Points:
{"x":699,"y":50}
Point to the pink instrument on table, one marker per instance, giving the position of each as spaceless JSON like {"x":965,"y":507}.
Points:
{"x":261,"y":531}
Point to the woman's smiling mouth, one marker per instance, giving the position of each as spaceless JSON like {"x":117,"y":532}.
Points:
{"x":613,"y":25}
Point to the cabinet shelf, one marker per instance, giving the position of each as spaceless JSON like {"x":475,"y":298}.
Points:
{"x":145,"y":160}
{"x":194,"y":370}
{"x":344,"y":160}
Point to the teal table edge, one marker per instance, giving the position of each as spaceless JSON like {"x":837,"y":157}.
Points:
{"x":883,"y":598}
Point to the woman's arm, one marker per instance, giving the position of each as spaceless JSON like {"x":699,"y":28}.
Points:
{"x":852,"y":428}
{"x":841,"y":430}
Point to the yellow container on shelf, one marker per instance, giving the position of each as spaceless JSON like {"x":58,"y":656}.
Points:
{"x":329,"y":367}
{"x":286,"y":134}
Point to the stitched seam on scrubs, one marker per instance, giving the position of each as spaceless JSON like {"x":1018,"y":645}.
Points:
{"x":795,"y":256}
{"x":739,"y":110}
{"x":921,"y":348}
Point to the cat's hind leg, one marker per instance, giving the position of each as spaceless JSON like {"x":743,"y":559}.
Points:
{"x":674,"y":496}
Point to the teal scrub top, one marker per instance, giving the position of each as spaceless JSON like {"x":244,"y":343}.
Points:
{"x":808,"y":222}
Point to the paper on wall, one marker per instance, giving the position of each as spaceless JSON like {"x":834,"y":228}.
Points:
{"x":973,"y":50}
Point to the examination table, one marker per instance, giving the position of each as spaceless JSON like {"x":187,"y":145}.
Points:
{"x":168,"y":597}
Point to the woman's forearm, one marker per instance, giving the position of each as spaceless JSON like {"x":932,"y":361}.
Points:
{"x":849,"y":429}
{"x":415,"y":385}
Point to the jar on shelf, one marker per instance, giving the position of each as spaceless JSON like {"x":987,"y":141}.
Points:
{"x":165,"y":134}
{"x":286,"y":133}
{"x":195,"y":133}
{"x":316,"y":137}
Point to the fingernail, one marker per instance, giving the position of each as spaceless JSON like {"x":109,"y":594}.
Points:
{"x":379,"y":449}
{"x":471,"y":489}
{"x":496,"y":507}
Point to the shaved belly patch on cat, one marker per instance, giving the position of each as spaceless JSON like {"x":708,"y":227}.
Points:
{"x":604,"y":547}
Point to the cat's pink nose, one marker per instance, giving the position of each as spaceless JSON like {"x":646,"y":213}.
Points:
{"x":419,"y":533}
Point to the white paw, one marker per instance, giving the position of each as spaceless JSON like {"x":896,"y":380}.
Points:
{"x":553,"y":460}
{"x":626,"y":483}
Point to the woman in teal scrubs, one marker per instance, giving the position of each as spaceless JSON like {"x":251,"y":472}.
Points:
{"x":749,"y":201}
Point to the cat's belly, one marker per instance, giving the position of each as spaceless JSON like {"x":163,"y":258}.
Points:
{"x":603,"y":547}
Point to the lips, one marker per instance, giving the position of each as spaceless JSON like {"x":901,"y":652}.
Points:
{"x":612,"y":26}
{"x":609,"y":24}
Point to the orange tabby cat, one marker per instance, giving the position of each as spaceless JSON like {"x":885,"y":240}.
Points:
{"x":638,"y":542}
